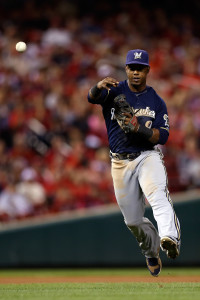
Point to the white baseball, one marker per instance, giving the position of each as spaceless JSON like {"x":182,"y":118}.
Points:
{"x":20,"y":46}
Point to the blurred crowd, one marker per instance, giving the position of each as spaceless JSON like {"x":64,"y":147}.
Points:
{"x":54,"y":152}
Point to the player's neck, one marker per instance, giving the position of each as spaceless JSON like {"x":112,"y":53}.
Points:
{"x":136,"y":88}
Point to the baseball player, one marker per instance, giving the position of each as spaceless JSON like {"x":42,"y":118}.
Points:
{"x":137,"y":165}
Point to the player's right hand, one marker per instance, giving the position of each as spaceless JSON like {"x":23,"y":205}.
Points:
{"x":107,"y":83}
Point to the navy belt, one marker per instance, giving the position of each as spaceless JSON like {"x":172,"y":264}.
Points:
{"x":121,"y":156}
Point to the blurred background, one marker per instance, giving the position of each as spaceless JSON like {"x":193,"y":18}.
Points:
{"x":54,"y":155}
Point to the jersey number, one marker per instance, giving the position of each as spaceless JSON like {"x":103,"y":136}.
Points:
{"x":112,"y":113}
{"x":166,"y":118}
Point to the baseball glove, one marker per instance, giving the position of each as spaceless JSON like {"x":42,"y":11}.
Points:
{"x":121,"y":106}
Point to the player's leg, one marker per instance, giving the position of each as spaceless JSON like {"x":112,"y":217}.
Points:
{"x":153,"y":181}
{"x":131,"y":202}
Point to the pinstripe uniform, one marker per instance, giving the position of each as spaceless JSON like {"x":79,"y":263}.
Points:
{"x":142,"y":174}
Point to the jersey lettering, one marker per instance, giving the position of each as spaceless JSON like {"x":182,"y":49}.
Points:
{"x":146,"y":112}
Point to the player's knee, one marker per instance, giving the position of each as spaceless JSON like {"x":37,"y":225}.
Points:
{"x":151,"y":190}
{"x":156,"y":192}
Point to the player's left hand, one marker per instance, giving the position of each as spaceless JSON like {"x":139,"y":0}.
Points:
{"x":131,"y":121}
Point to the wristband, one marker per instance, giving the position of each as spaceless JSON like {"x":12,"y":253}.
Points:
{"x":95,"y":91}
{"x":145,"y":131}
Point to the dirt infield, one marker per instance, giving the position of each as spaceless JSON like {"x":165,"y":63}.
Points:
{"x":95,"y":279}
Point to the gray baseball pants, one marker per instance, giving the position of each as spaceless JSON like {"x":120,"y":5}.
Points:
{"x":135,"y":181}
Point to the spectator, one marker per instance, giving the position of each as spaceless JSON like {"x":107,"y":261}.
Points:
{"x":13,"y":205}
{"x":45,"y":122}
{"x":32,"y":190}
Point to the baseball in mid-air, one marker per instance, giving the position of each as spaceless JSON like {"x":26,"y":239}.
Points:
{"x":21,"y":46}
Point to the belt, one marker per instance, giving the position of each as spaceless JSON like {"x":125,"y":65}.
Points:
{"x":129,"y":156}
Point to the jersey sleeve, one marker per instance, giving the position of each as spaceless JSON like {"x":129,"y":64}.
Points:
{"x":101,"y":99}
{"x":162,"y":122}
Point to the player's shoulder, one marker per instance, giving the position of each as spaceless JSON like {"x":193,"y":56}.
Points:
{"x":158,"y":99}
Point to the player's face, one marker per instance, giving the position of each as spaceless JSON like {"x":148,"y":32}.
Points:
{"x":137,"y":76}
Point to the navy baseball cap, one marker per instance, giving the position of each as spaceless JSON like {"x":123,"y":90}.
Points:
{"x":137,"y":56}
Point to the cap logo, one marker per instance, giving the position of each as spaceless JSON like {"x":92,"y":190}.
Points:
{"x":137,"y":55}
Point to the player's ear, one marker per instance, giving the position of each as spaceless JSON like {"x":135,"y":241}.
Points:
{"x":148,"y":69}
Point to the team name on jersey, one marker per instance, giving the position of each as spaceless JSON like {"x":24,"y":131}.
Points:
{"x":145,"y":112}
